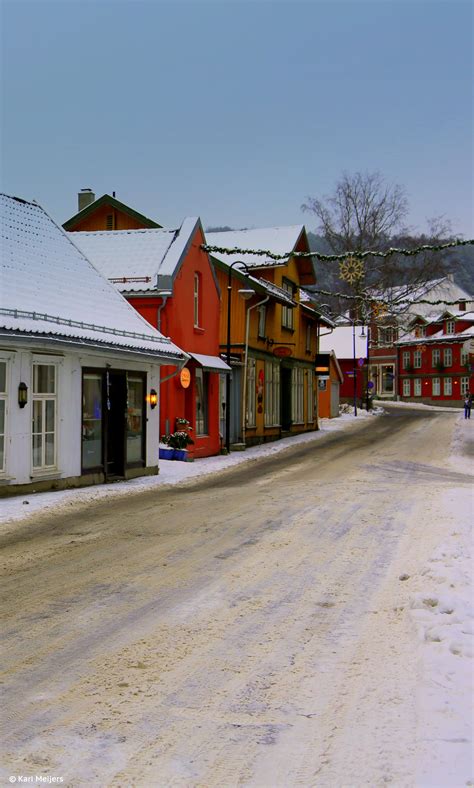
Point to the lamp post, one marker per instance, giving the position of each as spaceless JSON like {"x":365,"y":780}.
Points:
{"x":353,"y":323}
{"x":246,"y":293}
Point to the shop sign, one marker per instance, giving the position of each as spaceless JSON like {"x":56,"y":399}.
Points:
{"x":282,"y":351}
{"x":185,"y":377}
{"x":322,"y":364}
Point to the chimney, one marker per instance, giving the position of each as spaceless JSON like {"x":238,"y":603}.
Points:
{"x":84,"y":198}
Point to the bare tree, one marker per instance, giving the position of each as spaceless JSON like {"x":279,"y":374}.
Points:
{"x":366,"y":213}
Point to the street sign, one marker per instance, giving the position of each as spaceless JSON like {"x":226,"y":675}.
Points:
{"x":370,"y":384}
{"x":361,"y":362}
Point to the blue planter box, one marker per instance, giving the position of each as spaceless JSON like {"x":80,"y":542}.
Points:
{"x":166,"y":454}
{"x":180,"y":454}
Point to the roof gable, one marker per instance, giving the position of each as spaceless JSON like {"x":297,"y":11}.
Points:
{"x":107,"y":200}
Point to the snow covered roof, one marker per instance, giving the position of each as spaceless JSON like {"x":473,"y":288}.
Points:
{"x":443,"y":289}
{"x":341,"y":341}
{"x":410,"y":339}
{"x":48,"y":287}
{"x":137,"y":260}
{"x":275,"y":239}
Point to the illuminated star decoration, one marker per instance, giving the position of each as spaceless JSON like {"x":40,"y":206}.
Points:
{"x":351,"y":269}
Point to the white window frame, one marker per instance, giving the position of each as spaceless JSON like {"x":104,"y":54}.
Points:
{"x":251,"y":415}
{"x":436,"y":387}
{"x":405,"y":359}
{"x":464,"y":358}
{"x":448,"y":387}
{"x":287,"y":319}
{"x":4,"y":407}
{"x":448,"y":357}
{"x":297,"y":395}
{"x":262,"y":320}
{"x":417,"y":387}
{"x":407,"y":387}
{"x":417,"y":359}
{"x":464,"y":386}
{"x":272,"y":394}
{"x":44,"y":398}
{"x":197,"y":296}
{"x":435,"y":357}
{"x":450,"y":327}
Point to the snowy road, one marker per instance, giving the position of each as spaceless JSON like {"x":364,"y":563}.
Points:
{"x":247,"y":629}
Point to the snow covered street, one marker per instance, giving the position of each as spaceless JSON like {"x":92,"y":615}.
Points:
{"x":299,"y":614}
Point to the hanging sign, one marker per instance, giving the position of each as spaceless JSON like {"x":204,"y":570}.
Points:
{"x":322,"y":364}
{"x":185,"y":377}
{"x":282,"y":351}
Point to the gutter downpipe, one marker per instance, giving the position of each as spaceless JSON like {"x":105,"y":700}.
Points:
{"x":244,"y":384}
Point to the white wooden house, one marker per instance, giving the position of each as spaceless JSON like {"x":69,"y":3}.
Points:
{"x":79,"y":367}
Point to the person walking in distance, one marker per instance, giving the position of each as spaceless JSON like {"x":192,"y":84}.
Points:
{"x":467,"y":406}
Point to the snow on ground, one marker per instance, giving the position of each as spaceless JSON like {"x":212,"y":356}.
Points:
{"x":19,"y":507}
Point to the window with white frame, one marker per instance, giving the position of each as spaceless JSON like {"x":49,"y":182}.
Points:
{"x":417,"y":359}
{"x":436,"y":387}
{"x":447,"y":357}
{"x":420,"y":330}
{"x":44,"y":429}
{"x":297,"y":395}
{"x":197,"y":299}
{"x":450,"y":326}
{"x":464,"y":357}
{"x":310,"y":396}
{"x":464,"y":386}
{"x":435,"y":357}
{"x":272,"y":393}
{"x":287,"y":311}
{"x":309,"y":336}
{"x":3,"y":411}
{"x":406,"y":387}
{"x":405,"y":359}
{"x":251,"y":383}
{"x":262,"y":319}
{"x":417,"y":387}
{"x":447,"y":387}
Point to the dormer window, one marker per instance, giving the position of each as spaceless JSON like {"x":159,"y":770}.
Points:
{"x":462,"y":306}
{"x":450,"y":326}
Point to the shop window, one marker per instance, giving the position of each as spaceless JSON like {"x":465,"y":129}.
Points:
{"x":447,"y":387}
{"x":135,"y":418}
{"x":297,"y":395}
{"x":3,"y":412}
{"x":448,"y":357}
{"x":388,"y":378}
{"x":44,"y":431}
{"x":406,"y":387}
{"x":287,"y":311}
{"x":272,"y":394}
{"x":464,"y":386}
{"x":251,"y":392}
{"x":202,"y":389}
{"x":92,"y":449}
{"x":436,"y":387}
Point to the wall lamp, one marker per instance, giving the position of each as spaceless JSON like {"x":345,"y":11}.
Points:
{"x":22,"y":394}
{"x":153,"y":398}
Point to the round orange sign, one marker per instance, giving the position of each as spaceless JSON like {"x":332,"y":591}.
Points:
{"x":185,"y":377}
{"x":282,"y":351}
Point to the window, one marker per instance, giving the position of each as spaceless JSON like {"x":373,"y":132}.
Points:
{"x":450,"y":326}
{"x":464,"y":358}
{"x":388,"y":378}
{"x":420,"y":331}
{"x":417,"y":359}
{"x":447,"y":387}
{"x":405,"y":359}
{"x":135,"y":418}
{"x":197,"y":299}
{"x":287,"y":311}
{"x":417,"y":387}
{"x":436,"y":387}
{"x":310,"y":396}
{"x":308,"y":337}
{"x":109,"y":221}
{"x":202,"y":389}
{"x":385,"y":336}
{"x":3,"y":409}
{"x":406,"y":387}
{"x":464,"y":386}
{"x":272,"y":394}
{"x":44,"y":416}
{"x":297,"y":395}
{"x":448,"y":357}
{"x":92,"y":420}
{"x":251,"y":384}
{"x":435,"y":357}
{"x":262,"y":317}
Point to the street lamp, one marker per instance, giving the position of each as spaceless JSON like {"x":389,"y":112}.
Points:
{"x":353,"y":322}
{"x":245,"y":293}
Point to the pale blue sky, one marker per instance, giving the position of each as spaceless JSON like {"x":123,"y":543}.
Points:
{"x":237,"y":111}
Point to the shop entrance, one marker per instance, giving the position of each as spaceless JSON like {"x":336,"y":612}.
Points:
{"x":116,"y":410}
{"x":285,"y":398}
